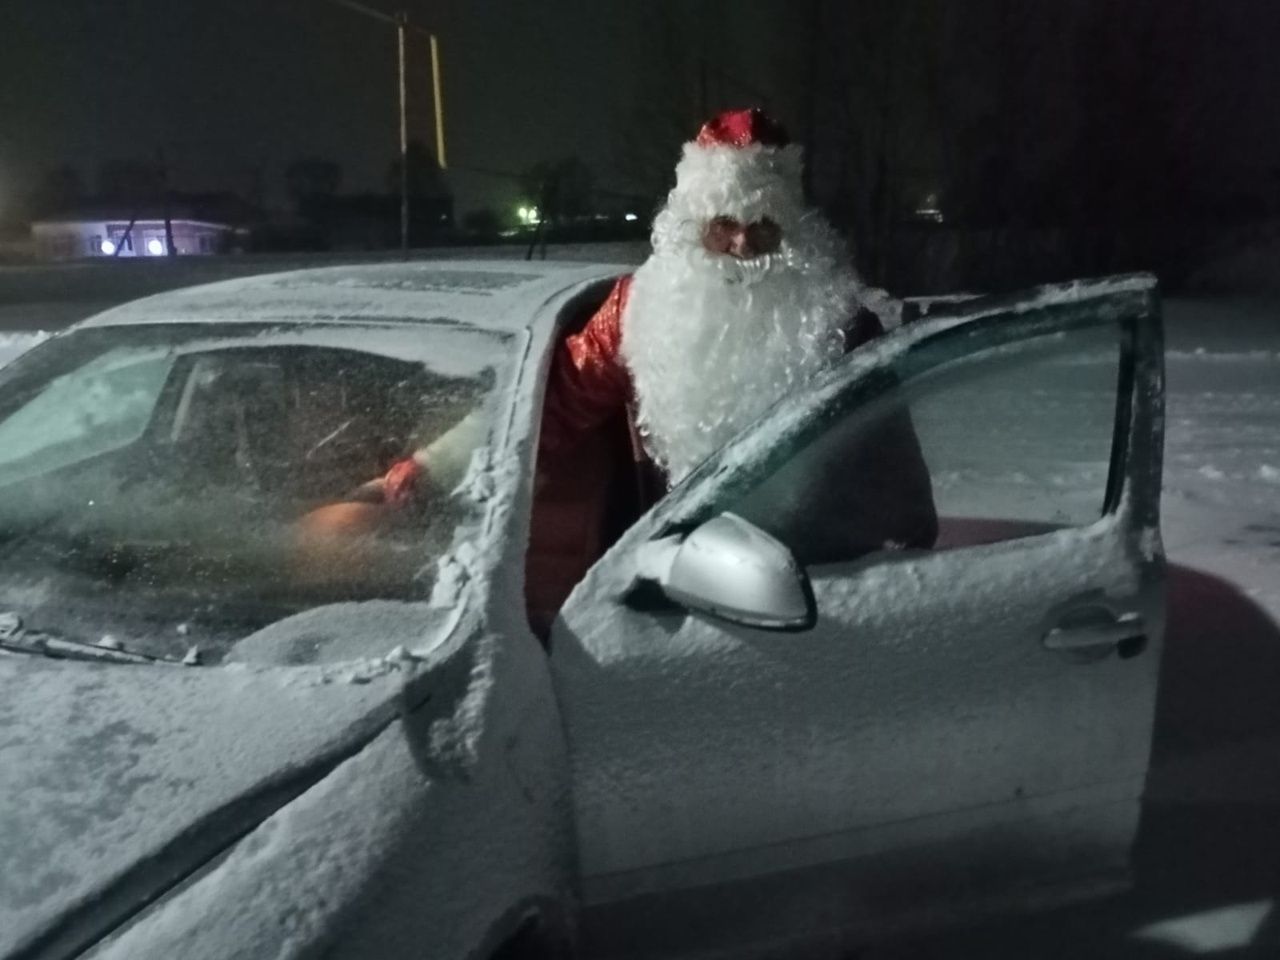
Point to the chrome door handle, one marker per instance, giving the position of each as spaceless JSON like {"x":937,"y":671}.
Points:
{"x":1126,"y":633}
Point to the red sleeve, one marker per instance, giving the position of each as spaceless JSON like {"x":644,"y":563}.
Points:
{"x":400,"y":483}
{"x":588,"y":381}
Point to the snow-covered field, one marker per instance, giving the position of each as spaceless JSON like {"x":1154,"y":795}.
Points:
{"x":1222,"y":450}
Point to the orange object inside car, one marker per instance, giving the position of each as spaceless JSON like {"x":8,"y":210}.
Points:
{"x":343,"y":519}
{"x":337,"y":543}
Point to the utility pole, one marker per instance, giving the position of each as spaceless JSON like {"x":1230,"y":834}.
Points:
{"x":401,"y":22}
{"x":438,"y":97}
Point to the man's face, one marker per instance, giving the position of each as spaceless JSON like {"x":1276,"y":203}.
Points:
{"x":745,"y":297}
{"x":725,"y":235}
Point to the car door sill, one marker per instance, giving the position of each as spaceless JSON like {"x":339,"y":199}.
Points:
{"x":1084,"y":811}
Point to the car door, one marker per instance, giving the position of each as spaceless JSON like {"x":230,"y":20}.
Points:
{"x":946,"y":725}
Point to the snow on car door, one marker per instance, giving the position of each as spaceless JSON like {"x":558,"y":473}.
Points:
{"x":948,"y":721}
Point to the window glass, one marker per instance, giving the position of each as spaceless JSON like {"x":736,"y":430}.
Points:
{"x":100,"y":405}
{"x":1023,"y":436}
{"x":159,"y":475}
{"x":999,"y":444}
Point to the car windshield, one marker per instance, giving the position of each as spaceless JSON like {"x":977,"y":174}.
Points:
{"x":173,"y":485}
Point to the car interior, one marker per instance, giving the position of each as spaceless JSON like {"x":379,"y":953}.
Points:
{"x":302,"y":423}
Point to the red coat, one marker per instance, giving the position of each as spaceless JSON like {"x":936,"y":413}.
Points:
{"x":588,"y":382}
{"x":592,"y":476}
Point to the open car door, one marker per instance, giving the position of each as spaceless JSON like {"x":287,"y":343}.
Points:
{"x":783,"y":716}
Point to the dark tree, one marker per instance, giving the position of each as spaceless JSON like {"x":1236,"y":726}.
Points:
{"x":672,"y":96}
{"x":869,"y":114}
{"x":312,"y":178}
{"x":130,"y":180}
{"x":484,"y":222}
{"x":561,"y":190}
{"x":60,"y":190}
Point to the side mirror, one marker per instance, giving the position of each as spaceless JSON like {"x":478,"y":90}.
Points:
{"x":733,"y":570}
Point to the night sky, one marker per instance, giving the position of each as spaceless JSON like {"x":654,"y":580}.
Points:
{"x":227,"y":87}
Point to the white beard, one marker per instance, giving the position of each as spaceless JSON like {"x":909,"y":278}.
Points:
{"x":713,"y":342}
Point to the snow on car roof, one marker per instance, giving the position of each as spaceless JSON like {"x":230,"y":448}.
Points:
{"x":503,"y":295}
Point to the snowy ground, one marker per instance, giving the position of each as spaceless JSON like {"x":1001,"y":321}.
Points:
{"x":1222,"y":453}
{"x":1208,"y":856}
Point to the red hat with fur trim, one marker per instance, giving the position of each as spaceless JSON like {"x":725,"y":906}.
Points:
{"x":742,"y":128}
{"x":741,"y":164}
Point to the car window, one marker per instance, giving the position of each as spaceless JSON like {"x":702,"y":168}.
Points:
{"x":100,"y":405}
{"x":1000,"y":444}
{"x":1023,"y":437}
{"x":168,"y":475}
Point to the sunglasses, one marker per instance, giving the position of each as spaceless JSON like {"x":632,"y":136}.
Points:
{"x":761,"y":236}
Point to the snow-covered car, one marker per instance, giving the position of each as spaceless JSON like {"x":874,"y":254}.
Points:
{"x":238,"y":719}
{"x":13,"y":344}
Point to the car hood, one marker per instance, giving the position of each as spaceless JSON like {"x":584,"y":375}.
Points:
{"x":116,"y":781}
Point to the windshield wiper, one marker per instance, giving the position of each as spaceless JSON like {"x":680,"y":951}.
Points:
{"x":45,"y":644}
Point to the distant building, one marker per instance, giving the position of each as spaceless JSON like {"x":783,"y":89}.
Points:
{"x":103,"y":230}
{"x":71,"y":239}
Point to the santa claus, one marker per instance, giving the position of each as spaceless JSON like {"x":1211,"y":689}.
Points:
{"x":747,"y":294}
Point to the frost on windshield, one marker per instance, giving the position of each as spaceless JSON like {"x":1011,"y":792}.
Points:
{"x":182,"y":486}
{"x":103,"y":404}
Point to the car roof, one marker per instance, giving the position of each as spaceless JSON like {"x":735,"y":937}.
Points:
{"x":486,"y":294}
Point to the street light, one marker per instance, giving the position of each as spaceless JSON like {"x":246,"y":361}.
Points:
{"x":401,"y":22}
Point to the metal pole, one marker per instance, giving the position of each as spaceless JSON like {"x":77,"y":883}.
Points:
{"x":402,"y":22}
{"x":439,"y":99}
